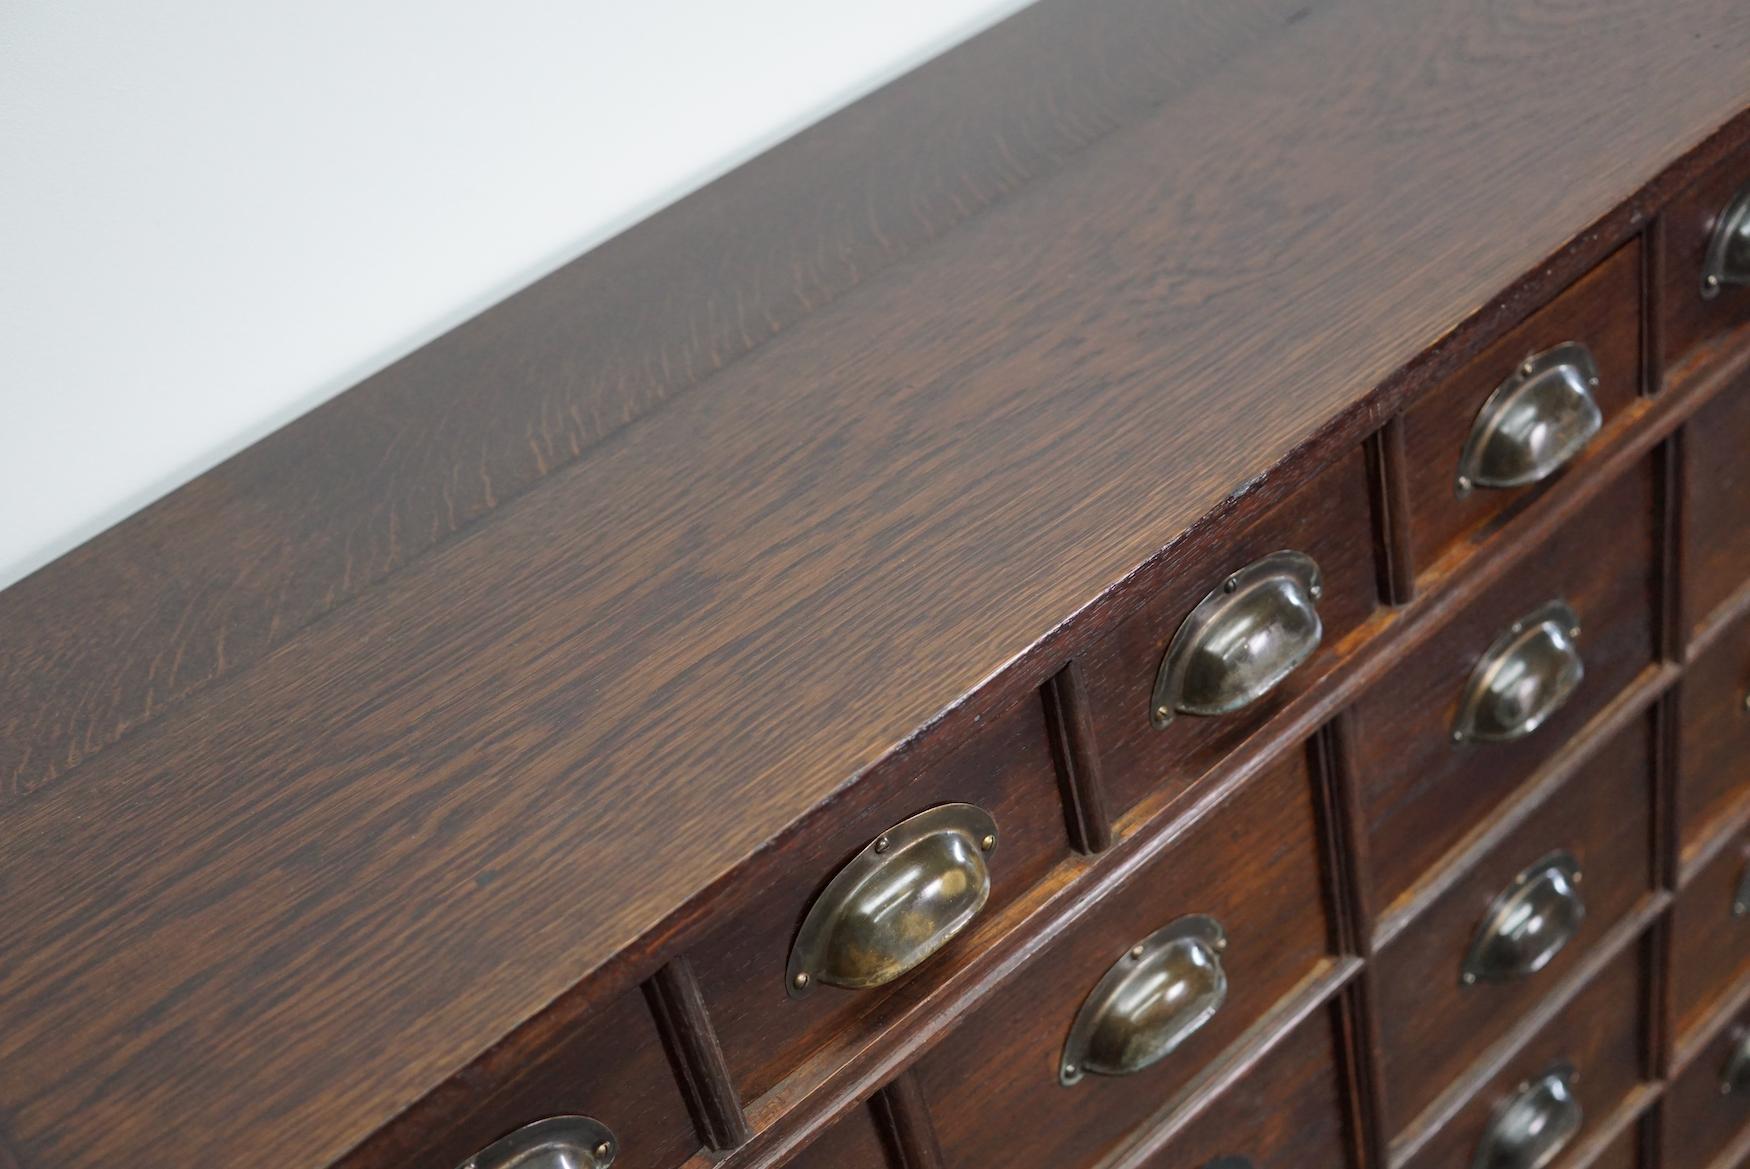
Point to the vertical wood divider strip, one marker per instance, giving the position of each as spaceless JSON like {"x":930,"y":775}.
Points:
{"x":1672,"y":468}
{"x":1652,"y":307}
{"x":1388,"y":488}
{"x":1071,"y":727}
{"x":697,"y":1056}
{"x":1333,"y":759}
{"x":904,"y":1117}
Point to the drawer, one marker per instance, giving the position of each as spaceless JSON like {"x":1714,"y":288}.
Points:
{"x":611,"y":1070}
{"x":1701,"y":1118}
{"x":1285,"y":1113}
{"x":1422,"y":791}
{"x":743,"y":963}
{"x":1689,"y":319}
{"x":853,"y":1142}
{"x":1710,"y":941}
{"x":1599,"y":1035}
{"x":1715,"y":766}
{"x":1328,"y":520}
{"x":1433,"y":1023}
{"x":1492,"y":421}
{"x":1253,"y":865}
{"x":1716,"y":500}
{"x":1624,"y":1152}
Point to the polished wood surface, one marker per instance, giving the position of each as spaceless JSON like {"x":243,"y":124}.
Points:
{"x":1421,"y":792}
{"x":1434,"y":1027}
{"x":1255,"y":867}
{"x":1602,"y":312}
{"x":355,"y":778}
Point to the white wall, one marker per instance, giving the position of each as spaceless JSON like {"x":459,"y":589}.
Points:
{"x":214,"y":215}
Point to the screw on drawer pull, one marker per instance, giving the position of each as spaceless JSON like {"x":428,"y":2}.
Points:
{"x":1523,"y":678}
{"x":1528,"y":923}
{"x":899,"y":900}
{"x":1155,"y":997}
{"x":559,"y":1142}
{"x":1534,"y":423}
{"x":1242,"y":639}
{"x":1530,"y":1128}
{"x":1735,"y":1076}
{"x":1728,"y":250}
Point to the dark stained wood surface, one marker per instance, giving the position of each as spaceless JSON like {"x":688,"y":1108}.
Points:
{"x":1284,"y":1113}
{"x":1254,"y":867}
{"x":216,"y":575}
{"x":1599,"y":1033}
{"x":274,"y":918}
{"x":1432,"y":1026}
{"x":1420,"y":791}
{"x":1602,"y":312}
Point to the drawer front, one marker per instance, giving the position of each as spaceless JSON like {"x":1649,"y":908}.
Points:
{"x":1622,"y":1153}
{"x":1598,"y":1034}
{"x":612,"y":1069}
{"x":1715,"y":765}
{"x":1716,"y":500}
{"x":1421,"y":790}
{"x":1690,"y":319}
{"x":1434,"y":1024}
{"x":1327,"y":520}
{"x":1710,"y":939}
{"x":853,"y":1142}
{"x":1285,"y":1113}
{"x":1701,"y":1117}
{"x":744,"y":964}
{"x":1542,"y":389}
{"x":1252,"y":864}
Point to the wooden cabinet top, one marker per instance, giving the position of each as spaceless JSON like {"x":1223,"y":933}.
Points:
{"x":453,"y":698}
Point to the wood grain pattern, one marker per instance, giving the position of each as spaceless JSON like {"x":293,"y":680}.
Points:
{"x":685,"y":1024}
{"x":1687,"y":322}
{"x":1006,"y":768}
{"x":1599,"y":1033}
{"x":1434,"y":1027}
{"x":1700,"y":1120}
{"x":1715,"y":735}
{"x":286,"y":913}
{"x":1716,"y":537}
{"x":994,"y":1084}
{"x":1710,"y":943}
{"x":855,"y":1142}
{"x":1287,"y":1112}
{"x":1420,"y":791}
{"x":210,"y":579}
{"x":1602,"y":312}
{"x":1327,"y":520}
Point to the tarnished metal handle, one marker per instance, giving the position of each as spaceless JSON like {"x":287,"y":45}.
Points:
{"x":1528,"y":923}
{"x":1534,"y":423}
{"x":1523,"y":678}
{"x":1241,"y":640}
{"x":1728,"y":250}
{"x":1735,"y":1076}
{"x":899,"y":900}
{"x":1530,"y":1128}
{"x":1164,"y":988}
{"x":559,"y":1142}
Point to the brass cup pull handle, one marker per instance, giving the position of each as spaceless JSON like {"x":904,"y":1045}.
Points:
{"x":1242,"y":640}
{"x":1528,"y":923}
{"x":1522,"y":679}
{"x":898,"y":901}
{"x":1531,"y":1127}
{"x":1735,"y":1076}
{"x":1151,"y":1000}
{"x":1534,"y":423}
{"x":1728,"y":249}
{"x":559,"y":1142}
